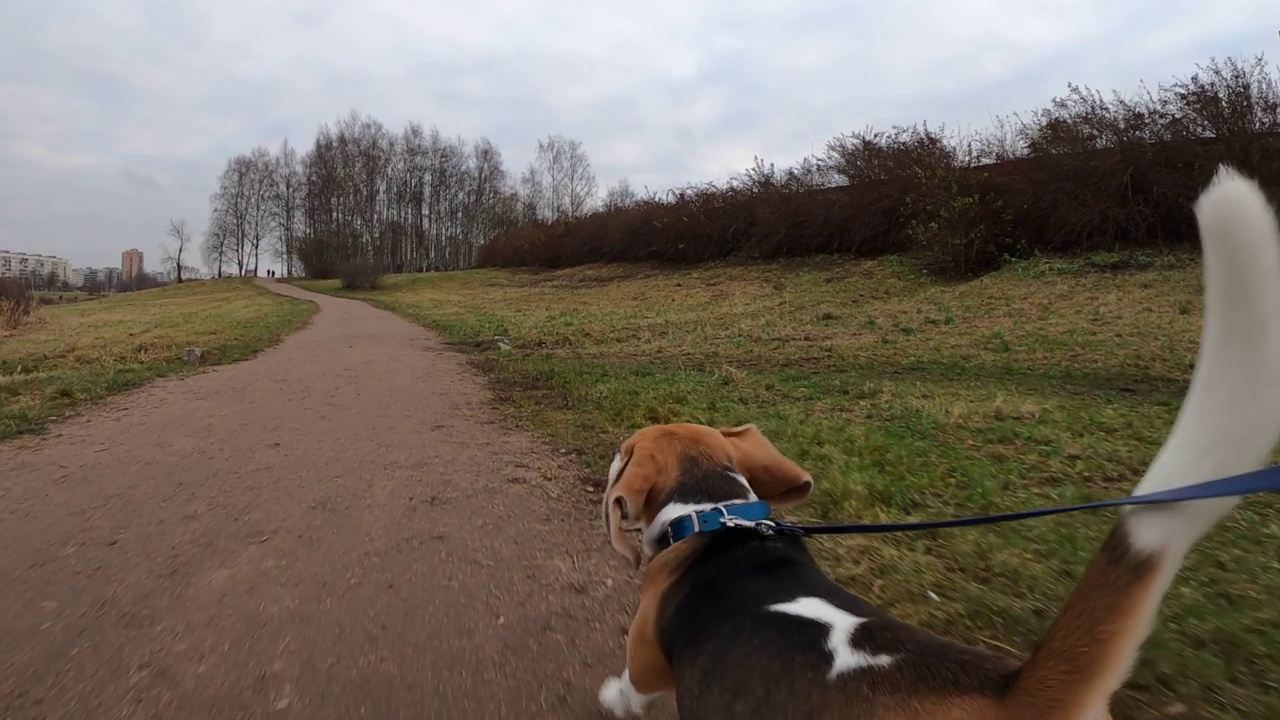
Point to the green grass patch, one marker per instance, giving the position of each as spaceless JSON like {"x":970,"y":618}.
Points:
{"x":1048,"y":382}
{"x":70,"y":354}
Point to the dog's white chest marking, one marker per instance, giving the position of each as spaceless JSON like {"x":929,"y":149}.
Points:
{"x":844,"y":656}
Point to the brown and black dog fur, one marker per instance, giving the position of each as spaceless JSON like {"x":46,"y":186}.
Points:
{"x":744,"y":625}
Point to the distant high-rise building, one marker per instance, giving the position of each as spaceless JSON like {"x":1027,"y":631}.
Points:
{"x":130,"y":263}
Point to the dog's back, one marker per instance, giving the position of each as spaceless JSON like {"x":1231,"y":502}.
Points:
{"x":758,"y":609}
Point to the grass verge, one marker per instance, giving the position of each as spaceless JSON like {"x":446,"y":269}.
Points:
{"x":1047,"y":382}
{"x":78,"y":352}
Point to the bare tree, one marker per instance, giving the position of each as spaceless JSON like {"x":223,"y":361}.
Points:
{"x":579,"y":188}
{"x":532,"y":194}
{"x":567,"y":177}
{"x":215,"y":250}
{"x":182,"y":238}
{"x":286,"y":201}
{"x":234,"y":206}
{"x":620,"y":195}
{"x":489,"y":207}
{"x":260,"y":208}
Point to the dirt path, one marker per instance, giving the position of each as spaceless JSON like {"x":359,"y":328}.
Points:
{"x":338,"y":528}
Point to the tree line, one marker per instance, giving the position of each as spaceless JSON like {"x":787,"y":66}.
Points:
{"x":1088,"y":173}
{"x":412,"y":201}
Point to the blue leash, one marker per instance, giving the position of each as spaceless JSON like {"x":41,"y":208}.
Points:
{"x":755,"y":514}
{"x":1263,"y":480}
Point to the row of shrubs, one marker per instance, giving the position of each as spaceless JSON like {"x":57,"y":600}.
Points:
{"x":1087,"y":173}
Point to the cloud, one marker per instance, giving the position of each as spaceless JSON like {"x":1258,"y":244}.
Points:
{"x":118,"y":114}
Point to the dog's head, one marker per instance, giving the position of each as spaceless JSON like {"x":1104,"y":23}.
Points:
{"x":663,"y":464}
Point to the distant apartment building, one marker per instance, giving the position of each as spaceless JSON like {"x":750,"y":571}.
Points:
{"x":33,"y":268}
{"x":130,"y":263}
{"x":104,"y":278}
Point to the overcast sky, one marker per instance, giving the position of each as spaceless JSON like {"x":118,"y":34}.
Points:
{"x":117,"y":114}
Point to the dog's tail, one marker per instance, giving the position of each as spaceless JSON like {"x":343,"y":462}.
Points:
{"x":1229,"y":423}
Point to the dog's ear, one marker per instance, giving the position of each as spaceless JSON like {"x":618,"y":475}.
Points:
{"x":773,"y":477}
{"x":620,"y":510}
{"x":635,"y":475}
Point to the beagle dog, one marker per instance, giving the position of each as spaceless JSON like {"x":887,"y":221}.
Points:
{"x":742,"y":624}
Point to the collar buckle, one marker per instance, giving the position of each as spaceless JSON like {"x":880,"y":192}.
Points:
{"x":764,"y":527}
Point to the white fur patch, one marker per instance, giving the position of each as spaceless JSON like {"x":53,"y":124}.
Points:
{"x":619,"y":696}
{"x":615,"y":467}
{"x":844,"y":656}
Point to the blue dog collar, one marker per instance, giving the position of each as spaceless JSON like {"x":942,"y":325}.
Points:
{"x":715,"y":518}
